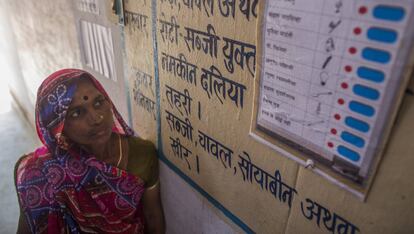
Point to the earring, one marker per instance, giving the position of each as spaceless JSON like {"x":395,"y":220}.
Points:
{"x":62,"y":141}
{"x":101,"y":116}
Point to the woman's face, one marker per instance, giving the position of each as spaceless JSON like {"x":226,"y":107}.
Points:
{"x":89,"y":119}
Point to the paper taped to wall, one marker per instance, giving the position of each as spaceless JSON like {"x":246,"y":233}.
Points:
{"x":89,"y":6}
{"x":98,"y":48}
{"x":331,"y":74}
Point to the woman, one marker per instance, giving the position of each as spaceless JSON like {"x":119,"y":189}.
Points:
{"x":91,"y":175}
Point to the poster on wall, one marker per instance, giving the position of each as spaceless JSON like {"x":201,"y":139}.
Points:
{"x":331,"y":77}
{"x":98,"y":49}
{"x":88,"y":6}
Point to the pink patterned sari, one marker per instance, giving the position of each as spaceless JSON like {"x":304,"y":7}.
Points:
{"x":65,"y":189}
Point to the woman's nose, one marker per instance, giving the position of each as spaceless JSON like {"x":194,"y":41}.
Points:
{"x":96,"y":118}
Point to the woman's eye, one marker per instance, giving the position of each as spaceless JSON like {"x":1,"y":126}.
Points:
{"x":98,"y":103}
{"x":75,"y":114}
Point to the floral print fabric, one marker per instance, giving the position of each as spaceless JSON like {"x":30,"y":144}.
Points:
{"x":64,"y":189}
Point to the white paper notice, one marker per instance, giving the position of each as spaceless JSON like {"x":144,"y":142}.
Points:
{"x":89,"y":6}
{"x":98,"y":48}
{"x":330,"y":72}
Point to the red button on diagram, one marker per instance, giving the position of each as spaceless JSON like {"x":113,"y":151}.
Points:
{"x":337,"y":116}
{"x":363,"y":10}
{"x":352,"y":50}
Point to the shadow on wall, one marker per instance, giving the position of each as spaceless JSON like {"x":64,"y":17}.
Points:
{"x":17,"y":136}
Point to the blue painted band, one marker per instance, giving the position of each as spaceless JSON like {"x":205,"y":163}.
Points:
{"x":353,"y":139}
{"x":213,"y":201}
{"x":348,"y":153}
{"x":356,"y":124}
{"x":376,"y":55}
{"x":382,"y":35}
{"x":366,"y":92}
{"x":389,"y":13}
{"x":361,"y":108}
{"x":156,"y":70}
{"x":370,"y":74}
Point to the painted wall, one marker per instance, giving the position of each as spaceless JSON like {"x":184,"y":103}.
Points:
{"x":184,"y":48}
{"x":205,"y":189}
{"x":41,"y":44}
{"x":34,"y":35}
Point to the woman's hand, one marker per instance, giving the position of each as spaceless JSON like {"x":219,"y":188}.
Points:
{"x":153,"y":213}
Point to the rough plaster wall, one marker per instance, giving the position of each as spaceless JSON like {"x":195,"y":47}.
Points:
{"x":250,"y":203}
{"x":40,"y":37}
{"x":9,"y":62}
{"x":45,"y":38}
{"x":224,"y":121}
{"x":186,"y":211}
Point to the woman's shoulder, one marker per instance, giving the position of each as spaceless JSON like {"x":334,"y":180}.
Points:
{"x":22,"y":158}
{"x":143,"y":160}
{"x":30,"y":162}
{"x":25,"y":161}
{"x":139,"y":145}
{"x":18,"y":165}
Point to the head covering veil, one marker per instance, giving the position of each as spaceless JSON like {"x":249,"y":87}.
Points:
{"x":62,"y":188}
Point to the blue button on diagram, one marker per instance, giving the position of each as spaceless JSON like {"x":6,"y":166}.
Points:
{"x":357,"y":124}
{"x":382,"y":35}
{"x":348,"y":153}
{"x":376,"y":55}
{"x":361,"y":108}
{"x":366,"y":92}
{"x":389,"y":13}
{"x":371,"y":74}
{"x":352,"y":139}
